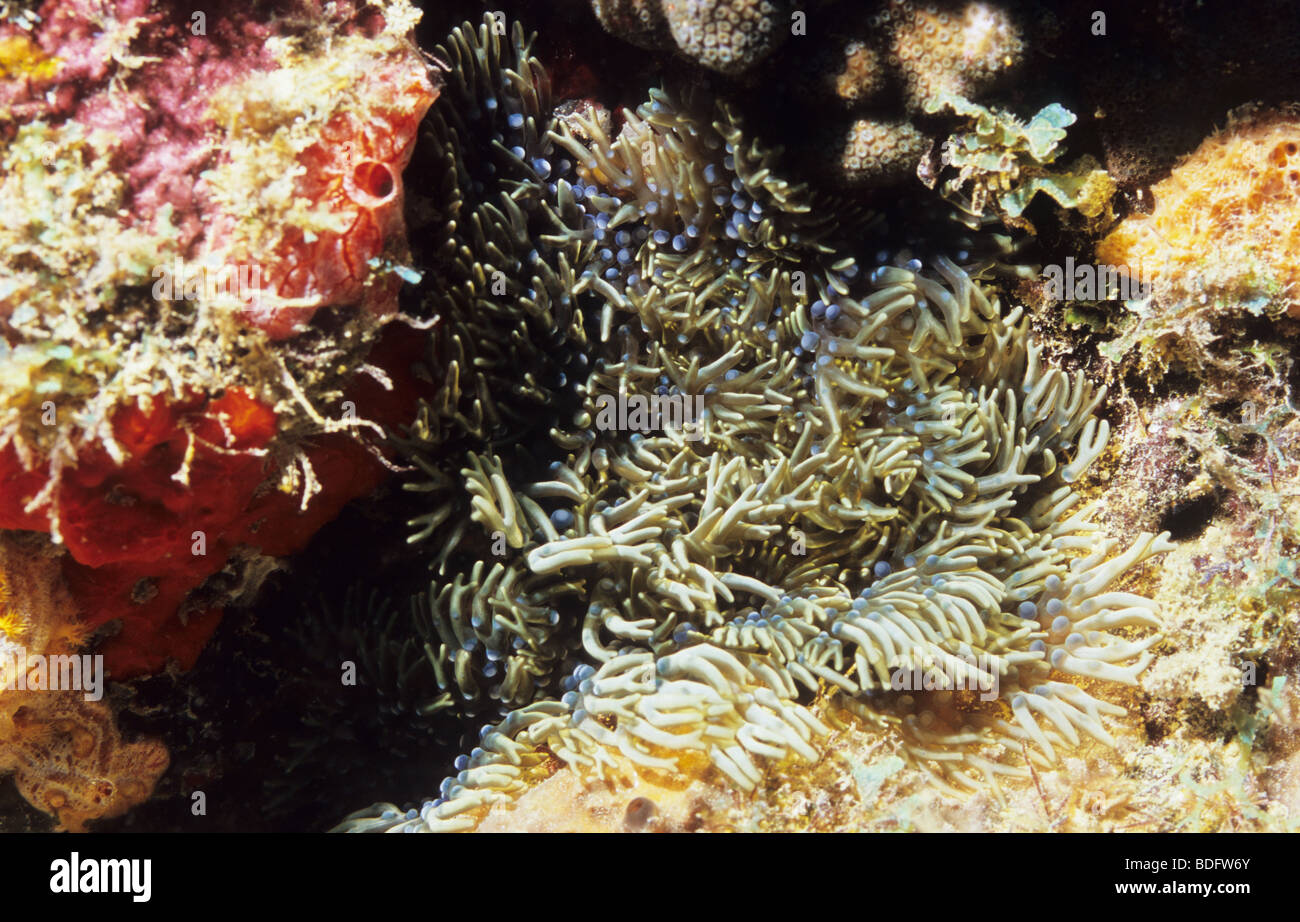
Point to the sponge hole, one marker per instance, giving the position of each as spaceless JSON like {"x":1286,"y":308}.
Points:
{"x":374,"y":179}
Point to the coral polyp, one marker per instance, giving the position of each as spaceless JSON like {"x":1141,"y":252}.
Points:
{"x":881,"y":482}
{"x":728,"y":36}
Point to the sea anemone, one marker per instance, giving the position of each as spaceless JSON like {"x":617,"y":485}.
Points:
{"x":879,"y":482}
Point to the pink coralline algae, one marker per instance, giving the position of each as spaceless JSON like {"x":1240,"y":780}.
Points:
{"x":158,"y":115}
{"x":184,"y":97}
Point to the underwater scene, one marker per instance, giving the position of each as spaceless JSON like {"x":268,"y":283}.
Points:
{"x":649,"y":416}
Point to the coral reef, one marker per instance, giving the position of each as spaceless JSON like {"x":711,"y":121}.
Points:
{"x":892,"y":65}
{"x":1217,"y":462}
{"x":1166,"y":71}
{"x":1206,"y":447}
{"x":885,"y":63}
{"x":851,"y":73}
{"x":328,"y":223}
{"x":60,"y":742}
{"x":953,"y":50}
{"x":145,"y":404}
{"x":756,"y":471}
{"x":877,"y":153}
{"x":878,"y":481}
{"x":187,"y":370}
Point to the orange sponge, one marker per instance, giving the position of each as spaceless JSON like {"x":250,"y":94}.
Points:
{"x":1226,"y":223}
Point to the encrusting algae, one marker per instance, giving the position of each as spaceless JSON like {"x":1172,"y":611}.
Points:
{"x":879,"y":485}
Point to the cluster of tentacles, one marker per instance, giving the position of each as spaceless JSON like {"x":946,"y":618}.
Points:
{"x":879,"y":482}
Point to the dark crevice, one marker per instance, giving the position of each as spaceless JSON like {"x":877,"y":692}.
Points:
{"x":1187,"y":519}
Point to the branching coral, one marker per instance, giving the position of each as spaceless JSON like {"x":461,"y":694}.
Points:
{"x":879,"y":482}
